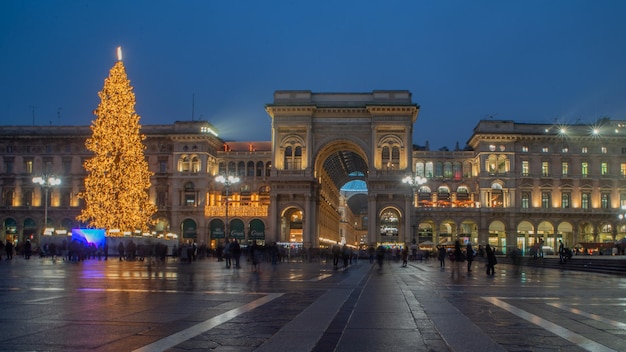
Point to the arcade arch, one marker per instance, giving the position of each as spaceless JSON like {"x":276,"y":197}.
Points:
{"x":321,"y":142}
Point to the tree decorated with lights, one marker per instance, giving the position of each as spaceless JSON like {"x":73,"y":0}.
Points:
{"x":118,"y":176}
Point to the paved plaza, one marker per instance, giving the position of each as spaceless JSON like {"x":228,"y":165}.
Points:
{"x":132,"y":306}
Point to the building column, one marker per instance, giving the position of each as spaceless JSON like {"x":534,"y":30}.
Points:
{"x":372,"y":219}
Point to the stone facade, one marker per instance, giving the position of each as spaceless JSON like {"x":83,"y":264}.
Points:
{"x":512,"y":186}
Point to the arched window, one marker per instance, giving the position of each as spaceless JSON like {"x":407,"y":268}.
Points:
{"x":259,"y":169}
{"x":183,"y":163}
{"x":27,"y":198}
{"x":386,"y":157}
{"x":419,"y":169}
{"x":439,"y":169}
{"x":288,"y":158}
{"x":195,"y":164}
{"x":429,"y":170}
{"x":467,"y":169}
{"x":447,"y":169}
{"x":297,"y":160}
{"x":497,"y":196}
{"x":268,"y":169}
{"x":293,"y":158}
{"x":189,"y":197}
{"x":457,"y":171}
{"x":241,"y":169}
{"x":390,"y":152}
{"x":389,"y":222}
{"x":250,"y":169}
{"x":443,"y":193}
{"x":65,"y":197}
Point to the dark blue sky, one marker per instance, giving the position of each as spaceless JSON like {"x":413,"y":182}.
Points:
{"x":530,"y":61}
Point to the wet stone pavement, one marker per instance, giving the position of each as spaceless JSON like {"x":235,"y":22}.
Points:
{"x":294,"y":306}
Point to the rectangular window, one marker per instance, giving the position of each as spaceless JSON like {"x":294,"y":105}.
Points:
{"x":584,"y":170}
{"x":605,"y":201}
{"x":28,"y":166}
{"x":525,"y":168}
{"x":565,"y":168}
{"x":545,"y":168}
{"x":525,"y":149}
{"x":439,"y":169}
{"x":67,"y":166}
{"x":545,"y":200}
{"x":525,"y":200}
{"x":9,"y":166}
{"x":47,"y":165}
{"x":584,"y":150}
{"x":419,"y":169}
{"x":190,"y":200}
{"x":604,"y":168}
{"x":162,"y":166}
{"x":565,"y":200}
{"x":429,"y":169}
{"x":565,"y":150}
{"x":545,"y":149}
{"x":622,"y":169}
{"x":604,"y":150}
{"x":584,"y":200}
{"x":447,"y":170}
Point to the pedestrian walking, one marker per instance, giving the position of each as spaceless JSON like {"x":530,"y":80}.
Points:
{"x":120,"y":250}
{"x":255,"y":257}
{"x":457,"y":259}
{"x":441,"y":255}
{"x":227,"y":253}
{"x":8,"y":248}
{"x":491,"y":260}
{"x":405,"y":255}
{"x":336,"y":252}
{"x":469,"y":256}
{"x":235,"y":250}
{"x":380,"y":256}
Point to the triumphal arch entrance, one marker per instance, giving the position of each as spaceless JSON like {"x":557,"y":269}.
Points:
{"x":322,"y":144}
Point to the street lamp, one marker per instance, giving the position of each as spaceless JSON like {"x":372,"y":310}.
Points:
{"x":622,"y":214}
{"x":414,"y":182}
{"x":45,"y":182}
{"x":227,"y":182}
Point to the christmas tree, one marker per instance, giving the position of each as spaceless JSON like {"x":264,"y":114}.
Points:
{"x":118,"y":176}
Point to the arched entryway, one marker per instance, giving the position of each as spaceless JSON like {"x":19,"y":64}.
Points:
{"x":291,"y":225}
{"x":497,"y":236}
{"x":323,"y":141}
{"x":189,"y":230}
{"x":257,"y":232}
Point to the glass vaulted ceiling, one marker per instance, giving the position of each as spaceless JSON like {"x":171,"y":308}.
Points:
{"x":349,"y":172}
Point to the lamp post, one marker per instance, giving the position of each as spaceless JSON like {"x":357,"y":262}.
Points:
{"x":414,"y":182}
{"x":227,"y":182}
{"x":45,"y":182}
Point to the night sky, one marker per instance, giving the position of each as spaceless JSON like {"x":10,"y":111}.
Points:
{"x":221,"y":61}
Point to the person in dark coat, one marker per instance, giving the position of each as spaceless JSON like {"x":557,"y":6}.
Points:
{"x":8,"y":247}
{"x":457,"y":259}
{"x":441,"y":255}
{"x":235,"y":249}
{"x":405,"y":255}
{"x":469,"y":255}
{"x":491,"y":260}
{"x":120,"y":250}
